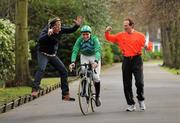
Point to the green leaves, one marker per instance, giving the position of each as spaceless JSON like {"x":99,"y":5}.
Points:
{"x":7,"y":45}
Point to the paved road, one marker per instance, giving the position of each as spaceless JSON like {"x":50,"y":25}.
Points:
{"x":162,"y":91}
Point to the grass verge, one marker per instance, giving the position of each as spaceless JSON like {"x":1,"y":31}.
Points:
{"x":172,"y":70}
{"x":8,"y":94}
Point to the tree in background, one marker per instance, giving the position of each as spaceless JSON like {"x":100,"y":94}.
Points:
{"x":165,"y":14}
{"x":97,"y":14}
{"x":150,"y":15}
{"x":39,"y":13}
{"x":7,"y":9}
{"x":22,"y":76}
{"x":94,"y":13}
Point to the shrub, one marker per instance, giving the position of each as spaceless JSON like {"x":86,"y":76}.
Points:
{"x":107,"y":55}
{"x":7,"y":54}
{"x":117,"y":53}
{"x":151,"y":55}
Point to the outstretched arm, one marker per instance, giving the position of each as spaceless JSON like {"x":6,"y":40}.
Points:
{"x":69,"y":29}
{"x":77,"y":22}
{"x":108,"y":36}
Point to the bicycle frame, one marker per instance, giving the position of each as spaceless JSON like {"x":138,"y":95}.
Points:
{"x":88,"y":77}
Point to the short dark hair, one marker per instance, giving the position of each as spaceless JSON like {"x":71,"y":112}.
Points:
{"x":131,"y":22}
{"x":53,"y":21}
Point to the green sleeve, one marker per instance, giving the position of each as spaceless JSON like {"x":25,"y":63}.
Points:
{"x":75,"y":49}
{"x":97,"y":48}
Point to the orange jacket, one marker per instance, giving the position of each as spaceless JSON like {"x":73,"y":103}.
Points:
{"x":130,"y":44}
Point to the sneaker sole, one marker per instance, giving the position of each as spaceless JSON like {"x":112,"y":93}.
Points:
{"x":69,"y":100}
{"x":130,"y":110}
{"x":142,"y":109}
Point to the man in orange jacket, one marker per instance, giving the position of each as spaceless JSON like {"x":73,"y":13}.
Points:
{"x":131,"y":42}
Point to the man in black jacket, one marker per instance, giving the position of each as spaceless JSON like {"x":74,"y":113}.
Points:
{"x":46,"y":53}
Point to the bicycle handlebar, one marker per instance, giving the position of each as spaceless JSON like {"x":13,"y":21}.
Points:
{"x":89,"y":66}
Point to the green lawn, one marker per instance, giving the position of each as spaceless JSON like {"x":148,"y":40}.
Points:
{"x":172,"y":70}
{"x":8,"y":94}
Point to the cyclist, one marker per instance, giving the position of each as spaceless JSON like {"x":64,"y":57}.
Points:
{"x":90,"y":52}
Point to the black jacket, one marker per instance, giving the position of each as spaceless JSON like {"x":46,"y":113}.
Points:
{"x":49,"y":44}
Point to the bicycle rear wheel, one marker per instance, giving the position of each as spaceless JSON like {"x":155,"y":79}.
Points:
{"x":84,"y":100}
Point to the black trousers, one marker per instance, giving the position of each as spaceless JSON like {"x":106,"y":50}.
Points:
{"x":133,"y":66}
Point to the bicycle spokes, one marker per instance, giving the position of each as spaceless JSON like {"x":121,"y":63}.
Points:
{"x":84,"y":99}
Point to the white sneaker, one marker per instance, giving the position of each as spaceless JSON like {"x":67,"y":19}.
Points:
{"x":131,"y":108}
{"x":142,"y":105}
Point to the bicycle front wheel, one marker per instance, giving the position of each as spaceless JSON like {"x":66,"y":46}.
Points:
{"x":93,"y":97}
{"x":83,"y":98}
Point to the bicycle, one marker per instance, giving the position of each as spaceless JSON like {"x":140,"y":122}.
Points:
{"x":86,"y":91}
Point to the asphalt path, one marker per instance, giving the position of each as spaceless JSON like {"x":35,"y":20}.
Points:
{"x":162,"y":92}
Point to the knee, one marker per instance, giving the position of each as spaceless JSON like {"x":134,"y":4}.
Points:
{"x":63,"y":73}
{"x":41,"y":70}
{"x":96,"y":78}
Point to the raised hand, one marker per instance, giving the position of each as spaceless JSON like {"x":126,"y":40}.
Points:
{"x":71,"y":66}
{"x":50,"y":32}
{"x":78,"y":20}
{"x":94,"y":65}
{"x":108,"y":28}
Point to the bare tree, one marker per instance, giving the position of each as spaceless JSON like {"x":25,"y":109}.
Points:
{"x":151,"y":15}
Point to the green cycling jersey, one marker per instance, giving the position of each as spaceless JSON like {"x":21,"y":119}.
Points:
{"x":88,"y":48}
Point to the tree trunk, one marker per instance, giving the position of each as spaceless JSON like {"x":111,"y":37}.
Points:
{"x":177,"y":45}
{"x":22,"y":76}
{"x":170,"y":44}
{"x":165,"y":45}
